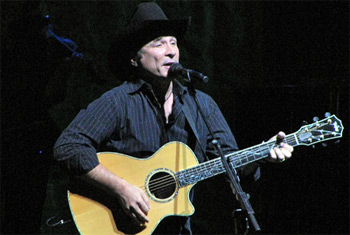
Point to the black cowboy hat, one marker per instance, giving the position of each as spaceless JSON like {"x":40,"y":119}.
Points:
{"x":146,"y":24}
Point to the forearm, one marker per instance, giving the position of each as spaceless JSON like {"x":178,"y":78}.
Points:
{"x":106,"y":179}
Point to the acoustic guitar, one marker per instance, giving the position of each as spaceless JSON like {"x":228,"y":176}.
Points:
{"x":167,"y":178}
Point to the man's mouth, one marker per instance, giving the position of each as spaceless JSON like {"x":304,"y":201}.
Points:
{"x":168,"y":64}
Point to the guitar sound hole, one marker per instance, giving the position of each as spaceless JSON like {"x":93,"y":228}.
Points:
{"x":162,"y":185}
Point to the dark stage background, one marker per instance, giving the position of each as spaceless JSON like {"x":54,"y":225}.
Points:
{"x":272,"y":64}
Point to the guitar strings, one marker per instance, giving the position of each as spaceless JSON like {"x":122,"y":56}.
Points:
{"x":166,"y":181}
{"x":196,"y":169}
{"x":169,"y":180}
{"x":161,"y":181}
{"x":261,"y":147}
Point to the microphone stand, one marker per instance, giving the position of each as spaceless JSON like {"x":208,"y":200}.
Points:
{"x":241,"y":196}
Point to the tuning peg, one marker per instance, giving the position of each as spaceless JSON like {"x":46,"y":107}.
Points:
{"x":315,"y":119}
{"x":305,"y":122}
{"x":327,"y":114}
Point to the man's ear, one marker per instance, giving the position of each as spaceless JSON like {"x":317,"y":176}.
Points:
{"x":134,"y":62}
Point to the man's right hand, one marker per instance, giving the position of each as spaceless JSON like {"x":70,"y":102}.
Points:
{"x":133,"y":199}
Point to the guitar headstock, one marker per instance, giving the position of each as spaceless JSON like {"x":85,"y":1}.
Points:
{"x":319,"y":131}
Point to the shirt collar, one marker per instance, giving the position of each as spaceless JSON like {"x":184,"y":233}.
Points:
{"x":135,"y":86}
{"x":179,"y":89}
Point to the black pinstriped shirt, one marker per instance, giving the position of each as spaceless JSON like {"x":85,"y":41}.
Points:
{"x":128,"y":119}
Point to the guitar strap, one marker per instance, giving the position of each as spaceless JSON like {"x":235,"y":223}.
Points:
{"x":189,"y":118}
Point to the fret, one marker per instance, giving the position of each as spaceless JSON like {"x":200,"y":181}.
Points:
{"x":296,"y":140}
{"x":200,"y":172}
{"x":251,"y":158}
{"x":292,"y":140}
{"x":244,"y":160}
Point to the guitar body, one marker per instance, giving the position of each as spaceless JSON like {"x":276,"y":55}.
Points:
{"x":96,"y":212}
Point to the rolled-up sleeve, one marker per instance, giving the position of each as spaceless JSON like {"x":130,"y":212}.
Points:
{"x":76,"y":147}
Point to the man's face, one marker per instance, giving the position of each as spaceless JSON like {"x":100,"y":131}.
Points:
{"x":157,"y":56}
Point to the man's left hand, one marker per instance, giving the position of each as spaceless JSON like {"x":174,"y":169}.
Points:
{"x":282,"y":151}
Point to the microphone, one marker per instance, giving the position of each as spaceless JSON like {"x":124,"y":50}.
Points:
{"x":189,"y":74}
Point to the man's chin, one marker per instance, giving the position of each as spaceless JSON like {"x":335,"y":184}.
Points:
{"x":157,"y":78}
{"x":163,"y":76}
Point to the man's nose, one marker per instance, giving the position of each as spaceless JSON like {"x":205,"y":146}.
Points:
{"x":170,"y":51}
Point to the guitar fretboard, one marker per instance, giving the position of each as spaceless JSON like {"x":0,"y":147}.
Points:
{"x":236,"y":159}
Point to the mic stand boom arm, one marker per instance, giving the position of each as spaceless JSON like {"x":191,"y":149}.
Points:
{"x":241,"y":196}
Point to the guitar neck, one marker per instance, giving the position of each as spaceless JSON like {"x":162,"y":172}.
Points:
{"x":329,"y":128}
{"x":237,"y":159}
{"x":258,"y":152}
